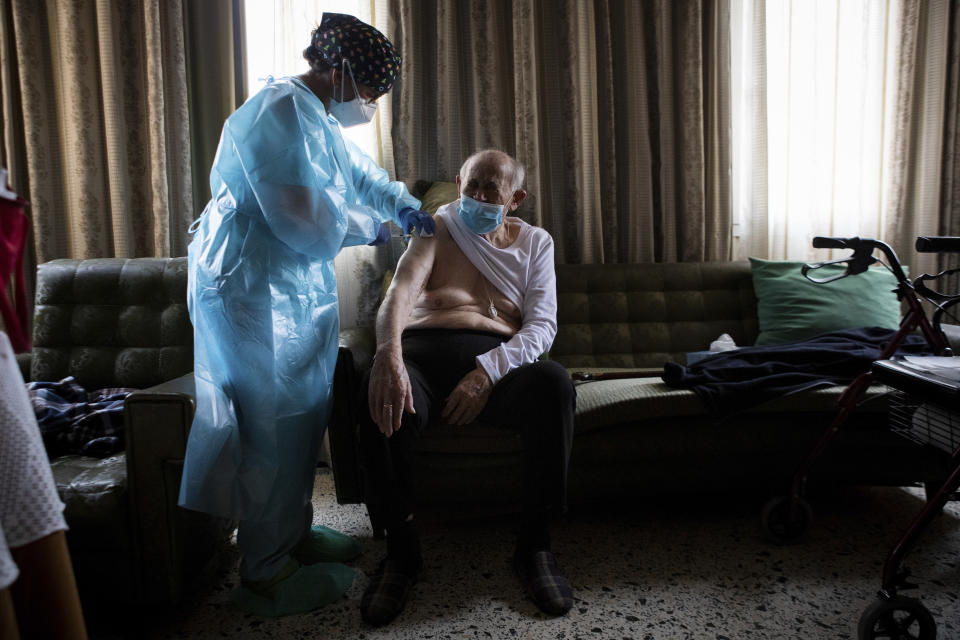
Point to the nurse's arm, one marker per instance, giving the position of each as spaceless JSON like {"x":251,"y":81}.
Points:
{"x":374,"y":187}
{"x":389,"y":394}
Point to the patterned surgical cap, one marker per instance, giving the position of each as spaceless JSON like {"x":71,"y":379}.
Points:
{"x":372,"y":57}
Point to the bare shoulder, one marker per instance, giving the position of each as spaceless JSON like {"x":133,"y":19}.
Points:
{"x":421,"y":251}
{"x":441,"y":238}
{"x":441,"y":227}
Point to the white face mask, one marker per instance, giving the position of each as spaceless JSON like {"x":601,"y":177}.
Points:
{"x":356,"y":111}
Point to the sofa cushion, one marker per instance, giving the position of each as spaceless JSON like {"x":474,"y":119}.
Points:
{"x":94,"y":494}
{"x":609,"y":402}
{"x":790,"y":307}
{"x":439,"y":194}
{"x":112,"y":323}
{"x":643,"y":315}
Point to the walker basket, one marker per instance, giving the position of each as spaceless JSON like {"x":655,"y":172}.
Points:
{"x":924,"y":422}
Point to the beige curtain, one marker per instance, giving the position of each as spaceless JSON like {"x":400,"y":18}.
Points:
{"x":920,"y":164}
{"x":216,"y":76}
{"x":949,"y":224}
{"x":106,"y":139}
{"x":617,"y":109}
{"x":97,"y":100}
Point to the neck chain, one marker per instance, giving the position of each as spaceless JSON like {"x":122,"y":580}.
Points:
{"x":491,"y":309}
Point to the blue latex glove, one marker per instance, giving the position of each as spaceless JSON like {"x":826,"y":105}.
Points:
{"x":422,"y":221}
{"x":383,"y":235}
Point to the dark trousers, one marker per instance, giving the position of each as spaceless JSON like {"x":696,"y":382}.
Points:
{"x":537,"y":400}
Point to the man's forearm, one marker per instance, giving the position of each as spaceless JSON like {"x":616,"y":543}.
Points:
{"x":389,"y":327}
{"x":391,"y":320}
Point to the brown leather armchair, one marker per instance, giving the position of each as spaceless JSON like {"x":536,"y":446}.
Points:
{"x":124,"y":323}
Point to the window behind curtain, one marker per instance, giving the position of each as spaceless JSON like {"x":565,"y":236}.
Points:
{"x":278,"y":31}
{"x":813,"y":107}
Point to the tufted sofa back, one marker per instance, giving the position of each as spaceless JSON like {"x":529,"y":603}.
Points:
{"x":112,"y":322}
{"x":642,"y":315}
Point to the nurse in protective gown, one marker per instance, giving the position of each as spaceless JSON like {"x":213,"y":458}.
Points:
{"x":289,"y":192}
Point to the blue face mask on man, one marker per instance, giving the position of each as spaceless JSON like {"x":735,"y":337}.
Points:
{"x":480,"y":217}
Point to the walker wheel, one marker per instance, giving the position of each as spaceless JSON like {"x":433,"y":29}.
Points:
{"x":777,"y":524}
{"x":898,"y":618}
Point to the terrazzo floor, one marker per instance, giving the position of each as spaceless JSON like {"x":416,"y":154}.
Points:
{"x":695,"y":568}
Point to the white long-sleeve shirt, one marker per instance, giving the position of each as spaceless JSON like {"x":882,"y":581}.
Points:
{"x":525,"y":275}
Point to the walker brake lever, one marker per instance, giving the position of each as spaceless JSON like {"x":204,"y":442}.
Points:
{"x":919,"y":284}
{"x":807,"y":268}
{"x":861,"y":259}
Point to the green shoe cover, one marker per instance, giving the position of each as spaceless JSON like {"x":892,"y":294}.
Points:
{"x":299,"y":591}
{"x":323,"y":544}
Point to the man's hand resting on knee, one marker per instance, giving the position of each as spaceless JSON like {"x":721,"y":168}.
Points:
{"x":389,"y":394}
{"x":469,"y":398}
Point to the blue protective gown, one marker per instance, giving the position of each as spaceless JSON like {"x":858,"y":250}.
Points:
{"x":288,"y":193}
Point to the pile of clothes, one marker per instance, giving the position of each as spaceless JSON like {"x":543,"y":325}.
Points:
{"x":74,"y":420}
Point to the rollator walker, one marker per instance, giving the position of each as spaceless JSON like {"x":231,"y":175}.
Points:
{"x":786,"y":519}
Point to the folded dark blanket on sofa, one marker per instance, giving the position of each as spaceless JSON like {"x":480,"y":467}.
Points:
{"x":732,"y":381}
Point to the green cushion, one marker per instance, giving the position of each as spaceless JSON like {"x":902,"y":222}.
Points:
{"x":439,"y":194}
{"x":790,"y":307}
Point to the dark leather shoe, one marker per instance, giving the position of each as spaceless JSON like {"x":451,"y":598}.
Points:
{"x":387,"y":593}
{"x":543,"y":582}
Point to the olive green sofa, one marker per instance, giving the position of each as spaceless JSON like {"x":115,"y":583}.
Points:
{"x":637,"y":438}
{"x":124,"y":323}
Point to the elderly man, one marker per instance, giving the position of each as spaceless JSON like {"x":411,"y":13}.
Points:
{"x":458,"y":336}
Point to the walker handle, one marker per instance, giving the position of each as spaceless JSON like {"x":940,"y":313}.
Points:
{"x":822,"y":242}
{"x":937,"y":244}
